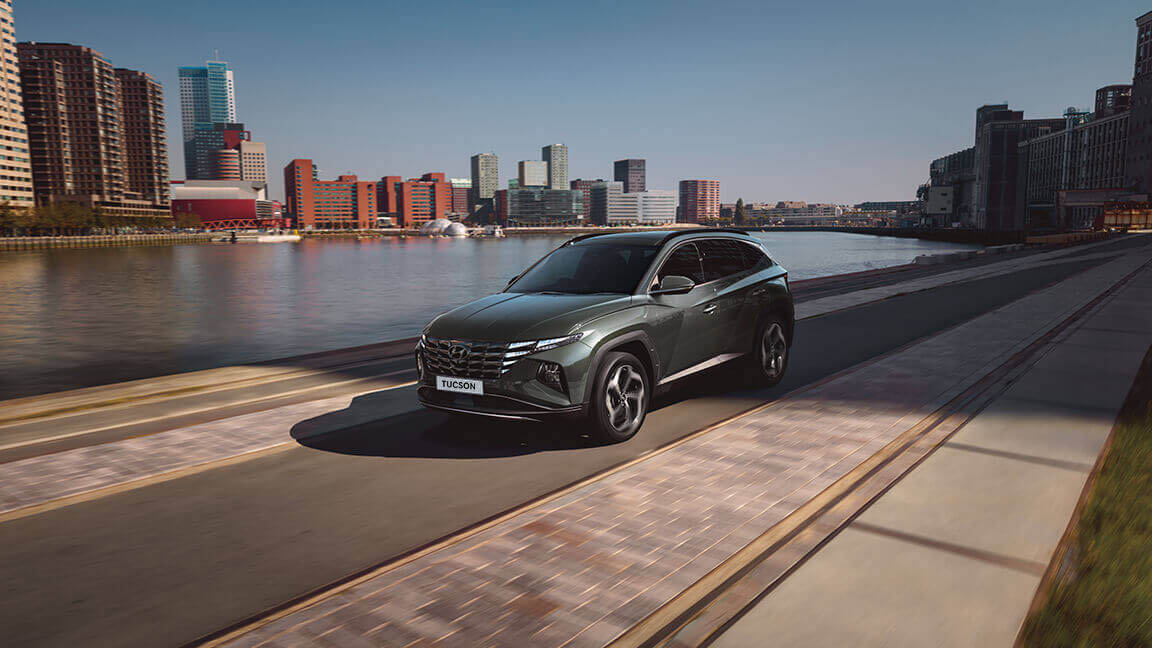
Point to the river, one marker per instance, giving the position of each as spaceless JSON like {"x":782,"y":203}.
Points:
{"x":78,"y":317}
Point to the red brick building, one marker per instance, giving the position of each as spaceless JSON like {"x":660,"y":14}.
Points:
{"x":343,"y":203}
{"x":414,"y":202}
{"x":699,"y":200}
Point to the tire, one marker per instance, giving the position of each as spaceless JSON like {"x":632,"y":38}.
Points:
{"x":619,"y":399}
{"x":770,"y":353}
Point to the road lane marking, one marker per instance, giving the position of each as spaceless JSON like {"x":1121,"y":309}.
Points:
{"x":133,"y":483}
{"x":70,"y":435}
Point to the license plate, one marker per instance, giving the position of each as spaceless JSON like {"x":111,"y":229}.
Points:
{"x":460,"y":385}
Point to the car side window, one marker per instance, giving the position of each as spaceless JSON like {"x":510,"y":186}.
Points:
{"x":755,"y":258}
{"x":722,"y":258}
{"x":684,"y":261}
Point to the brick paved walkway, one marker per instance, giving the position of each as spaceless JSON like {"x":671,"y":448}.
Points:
{"x":581,"y":569}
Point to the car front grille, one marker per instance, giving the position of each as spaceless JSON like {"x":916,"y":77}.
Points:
{"x":464,"y":359}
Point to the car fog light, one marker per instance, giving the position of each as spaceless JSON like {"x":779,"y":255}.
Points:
{"x":551,"y":375}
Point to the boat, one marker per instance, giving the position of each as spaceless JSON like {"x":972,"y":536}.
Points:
{"x":488,"y":231}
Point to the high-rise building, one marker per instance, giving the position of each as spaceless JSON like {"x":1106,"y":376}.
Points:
{"x":207,"y":97}
{"x":253,"y":161}
{"x":585,"y":187}
{"x":607,"y":208}
{"x":85,"y":147}
{"x":15,"y":159}
{"x":699,"y":201}
{"x":73,"y":107}
{"x":1138,"y":160}
{"x":998,"y":132}
{"x":556,"y":156}
{"x":533,"y":173}
{"x":632,"y":173}
{"x":485,"y":176}
{"x":343,"y":203}
{"x":204,"y":156}
{"x":145,"y":135}
{"x":461,"y":195}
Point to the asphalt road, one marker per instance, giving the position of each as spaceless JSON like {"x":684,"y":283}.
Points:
{"x":171,"y":562}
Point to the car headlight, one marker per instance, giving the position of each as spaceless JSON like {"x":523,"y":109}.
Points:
{"x":517,"y":350}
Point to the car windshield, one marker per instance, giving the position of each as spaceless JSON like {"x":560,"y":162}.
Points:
{"x":588,"y":268}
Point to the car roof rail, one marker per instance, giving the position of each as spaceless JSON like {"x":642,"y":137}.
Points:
{"x":586,"y":236}
{"x":703,"y":230}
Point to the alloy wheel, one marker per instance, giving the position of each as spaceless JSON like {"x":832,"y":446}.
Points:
{"x":624,"y":398}
{"x":773,"y":351}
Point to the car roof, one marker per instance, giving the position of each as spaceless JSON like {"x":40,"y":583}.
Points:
{"x":654,"y":238}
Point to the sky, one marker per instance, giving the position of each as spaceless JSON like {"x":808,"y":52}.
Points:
{"x":816,"y":101}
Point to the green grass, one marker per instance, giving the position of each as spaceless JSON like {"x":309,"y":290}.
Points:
{"x":1106,"y":597}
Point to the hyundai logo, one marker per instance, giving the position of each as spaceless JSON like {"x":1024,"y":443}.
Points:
{"x":458,"y":352}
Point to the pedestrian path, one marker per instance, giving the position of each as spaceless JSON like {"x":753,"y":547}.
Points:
{"x":584,"y":567}
{"x":952,"y":555}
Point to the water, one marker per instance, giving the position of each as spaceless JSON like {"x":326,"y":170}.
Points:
{"x":79,"y":317}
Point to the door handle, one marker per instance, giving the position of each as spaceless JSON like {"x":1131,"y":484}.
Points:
{"x":709,"y":309}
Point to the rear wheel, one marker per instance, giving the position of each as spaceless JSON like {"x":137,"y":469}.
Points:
{"x":770,"y":356}
{"x":619,"y":400}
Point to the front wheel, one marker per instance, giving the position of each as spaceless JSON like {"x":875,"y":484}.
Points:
{"x":619,"y":400}
{"x":770,"y":357}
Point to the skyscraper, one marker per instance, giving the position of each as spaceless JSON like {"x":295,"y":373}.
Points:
{"x":207,"y":96}
{"x":485,"y":176}
{"x":556,"y":155}
{"x":16,"y":185}
{"x":631,"y":172}
{"x":533,"y":173}
{"x":145,"y":135}
{"x":1138,"y":165}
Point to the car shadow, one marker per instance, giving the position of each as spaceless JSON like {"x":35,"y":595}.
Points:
{"x":390,"y":424}
{"x":385,"y":424}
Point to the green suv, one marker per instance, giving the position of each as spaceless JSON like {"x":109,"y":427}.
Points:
{"x":593,"y":328}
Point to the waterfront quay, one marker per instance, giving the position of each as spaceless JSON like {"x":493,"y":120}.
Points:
{"x":908,"y":483}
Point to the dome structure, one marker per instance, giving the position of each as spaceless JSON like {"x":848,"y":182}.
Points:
{"x":435,"y":226}
{"x":456,"y":230}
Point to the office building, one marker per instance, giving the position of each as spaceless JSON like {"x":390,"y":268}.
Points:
{"x":78,"y":131}
{"x":556,"y":157}
{"x":343,"y":203}
{"x":532,"y":173}
{"x":585,"y":188}
{"x":253,"y":161}
{"x":540,"y":207}
{"x":485,"y":176}
{"x":461,"y":195}
{"x":1113,"y":100}
{"x":413,"y":202}
{"x":793,"y":212}
{"x":207,"y":97}
{"x":15,"y":159}
{"x":699,"y":201}
{"x":607,"y":206}
{"x":655,"y":207}
{"x":1138,"y":156}
{"x":632,"y":173}
{"x":1088,"y":154}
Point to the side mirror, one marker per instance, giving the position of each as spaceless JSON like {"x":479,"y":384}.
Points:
{"x":674,"y":285}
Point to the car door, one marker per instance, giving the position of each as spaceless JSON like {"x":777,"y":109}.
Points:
{"x":683,"y":329}
{"x":726,"y":269}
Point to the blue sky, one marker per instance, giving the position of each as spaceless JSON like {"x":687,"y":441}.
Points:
{"x":813,"y":101}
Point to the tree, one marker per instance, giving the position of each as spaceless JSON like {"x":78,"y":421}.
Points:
{"x":7,"y":216}
{"x":738,"y":215}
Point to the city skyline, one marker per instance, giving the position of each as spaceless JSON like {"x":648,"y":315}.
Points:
{"x":771,"y":120}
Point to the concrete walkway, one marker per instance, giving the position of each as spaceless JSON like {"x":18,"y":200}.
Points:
{"x":952,"y":555}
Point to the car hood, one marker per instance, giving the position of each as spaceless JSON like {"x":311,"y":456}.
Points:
{"x":524,"y":316}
